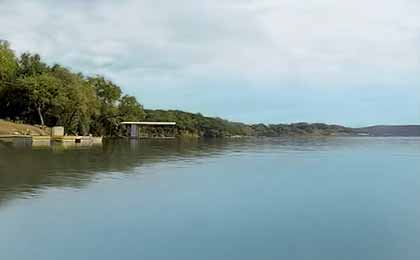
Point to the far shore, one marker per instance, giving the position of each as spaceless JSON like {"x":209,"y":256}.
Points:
{"x":10,"y":129}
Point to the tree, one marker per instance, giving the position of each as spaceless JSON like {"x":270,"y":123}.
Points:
{"x":8,"y":64}
{"x":106,"y":90}
{"x":76,"y":104}
{"x":31,"y":64}
{"x":15,"y":102}
{"x":108,"y":94}
{"x":42,"y":90}
{"x":130,"y":110}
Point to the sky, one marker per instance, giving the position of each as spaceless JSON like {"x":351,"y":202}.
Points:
{"x":353,"y":63}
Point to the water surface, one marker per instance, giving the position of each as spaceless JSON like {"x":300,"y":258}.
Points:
{"x":307,"y":198}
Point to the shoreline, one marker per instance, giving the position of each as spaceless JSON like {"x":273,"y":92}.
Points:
{"x":16,"y":130}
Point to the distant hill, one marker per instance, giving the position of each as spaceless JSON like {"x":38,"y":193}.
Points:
{"x":384,"y":130}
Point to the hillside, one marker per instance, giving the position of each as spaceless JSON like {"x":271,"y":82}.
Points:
{"x":189,"y":124}
{"x":383,"y":130}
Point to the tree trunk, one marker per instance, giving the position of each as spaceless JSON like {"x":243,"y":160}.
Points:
{"x":40,"y":115}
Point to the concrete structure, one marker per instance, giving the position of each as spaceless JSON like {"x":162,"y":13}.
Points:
{"x":133,"y":126}
{"x":57,"y":132}
{"x":57,"y":136}
{"x":81,"y":140}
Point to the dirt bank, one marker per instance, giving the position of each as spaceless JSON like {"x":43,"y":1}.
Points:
{"x":10,"y":128}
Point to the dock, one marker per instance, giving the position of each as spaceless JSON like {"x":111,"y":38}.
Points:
{"x":132,"y":127}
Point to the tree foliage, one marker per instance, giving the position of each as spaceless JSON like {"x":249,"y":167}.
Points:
{"x":42,"y":91}
{"x":130,"y":110}
{"x":30,"y":65}
{"x":33,"y":92}
{"x":8,"y":63}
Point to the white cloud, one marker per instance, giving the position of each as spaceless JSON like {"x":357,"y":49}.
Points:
{"x":257,"y":38}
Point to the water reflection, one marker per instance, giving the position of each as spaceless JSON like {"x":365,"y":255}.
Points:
{"x":25,"y":172}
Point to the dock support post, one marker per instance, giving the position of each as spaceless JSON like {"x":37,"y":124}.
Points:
{"x":133,"y":131}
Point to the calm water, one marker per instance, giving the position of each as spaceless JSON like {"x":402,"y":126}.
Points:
{"x":326,"y":199}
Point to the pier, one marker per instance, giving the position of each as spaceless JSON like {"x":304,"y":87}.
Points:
{"x":133,"y":131}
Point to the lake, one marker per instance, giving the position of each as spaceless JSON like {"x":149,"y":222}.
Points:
{"x":256,"y":199}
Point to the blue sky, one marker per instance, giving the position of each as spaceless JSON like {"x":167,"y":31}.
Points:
{"x":348,"y":62}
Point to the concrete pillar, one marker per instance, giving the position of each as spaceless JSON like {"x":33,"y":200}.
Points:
{"x":133,"y":131}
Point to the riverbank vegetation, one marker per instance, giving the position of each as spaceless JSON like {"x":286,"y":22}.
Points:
{"x":33,"y":92}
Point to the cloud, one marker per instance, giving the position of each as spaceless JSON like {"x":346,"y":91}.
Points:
{"x":190,"y":47}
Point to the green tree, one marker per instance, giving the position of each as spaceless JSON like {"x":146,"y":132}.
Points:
{"x":30,"y":65}
{"x":15,"y":102}
{"x":106,"y":122}
{"x":76,"y":104}
{"x":106,"y":90}
{"x":8,"y":64}
{"x":130,"y":109}
{"x":42,"y":90}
